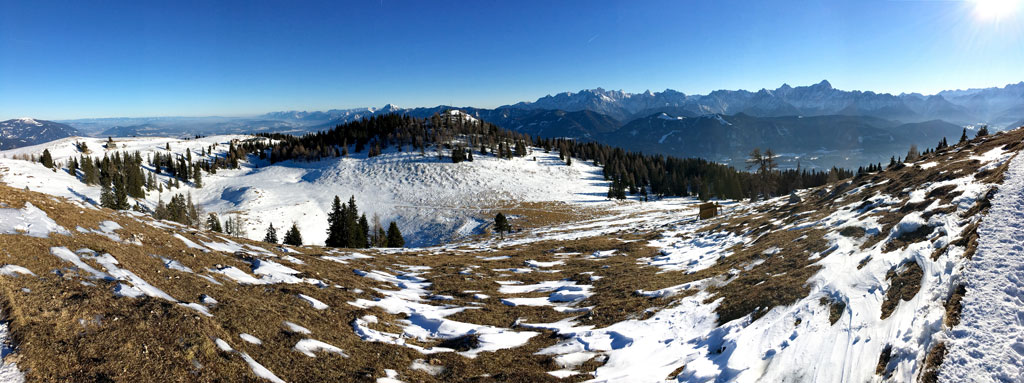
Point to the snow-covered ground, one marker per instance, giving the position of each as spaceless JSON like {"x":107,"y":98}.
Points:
{"x":804,"y":339}
{"x":432,"y":200}
{"x":988,"y":345}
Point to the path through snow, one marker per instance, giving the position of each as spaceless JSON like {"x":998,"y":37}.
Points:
{"x":988,"y":345}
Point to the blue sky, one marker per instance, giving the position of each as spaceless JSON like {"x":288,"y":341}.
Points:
{"x":62,"y":60}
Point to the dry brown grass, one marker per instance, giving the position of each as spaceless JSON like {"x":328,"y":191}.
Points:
{"x":954,"y":305}
{"x":65,"y":330}
{"x":904,"y":283}
{"x":932,"y":361}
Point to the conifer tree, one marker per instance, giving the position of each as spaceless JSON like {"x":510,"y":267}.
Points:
{"x":982,"y":131}
{"x":120,"y":194}
{"x":89,"y":173}
{"x":364,"y":233}
{"x":395,"y":236}
{"x":72,"y":166}
{"x":271,"y":236}
{"x":197,"y":177}
{"x":335,"y":225}
{"x":46,"y":159}
{"x":352,"y":223}
{"x":963,"y":137}
{"x":229,"y":226}
{"x":107,"y":197}
{"x":501,"y":225}
{"x":192,"y":212}
{"x":293,"y":237}
{"x":161,"y":210}
{"x":213,"y":223}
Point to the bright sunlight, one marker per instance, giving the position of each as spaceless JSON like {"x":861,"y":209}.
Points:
{"x":996,"y":9}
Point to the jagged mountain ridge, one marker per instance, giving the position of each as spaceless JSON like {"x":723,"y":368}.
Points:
{"x":813,"y":100}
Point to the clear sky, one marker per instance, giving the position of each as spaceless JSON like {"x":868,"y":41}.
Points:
{"x":77,"y":59}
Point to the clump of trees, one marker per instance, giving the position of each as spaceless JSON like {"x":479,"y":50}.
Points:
{"x":293,"y":236}
{"x":446,"y":134}
{"x":347,"y":228}
{"x":180,"y":209}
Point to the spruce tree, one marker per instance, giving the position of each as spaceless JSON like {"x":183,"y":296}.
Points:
{"x":395,"y":236}
{"x":293,"y":237}
{"x":963,"y":137}
{"x":335,"y":223}
{"x":271,"y":236}
{"x":120,"y":194}
{"x":501,"y":225}
{"x":213,"y":223}
{"x":192,"y":214}
{"x":351,"y":228}
{"x":107,"y":198}
{"x":364,"y":233}
{"x":197,"y":177}
{"x":47,"y":160}
{"x":982,"y":131}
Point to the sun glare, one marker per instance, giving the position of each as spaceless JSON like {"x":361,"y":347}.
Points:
{"x":996,"y":9}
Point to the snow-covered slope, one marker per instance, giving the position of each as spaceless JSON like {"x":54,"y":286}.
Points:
{"x":855,"y":281}
{"x":431,"y":200}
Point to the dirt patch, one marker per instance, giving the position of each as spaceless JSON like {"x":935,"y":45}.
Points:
{"x":932,"y":362}
{"x":882,"y":368}
{"x":853,"y":232}
{"x":835,"y":309}
{"x":954,"y":305}
{"x":903,"y":285}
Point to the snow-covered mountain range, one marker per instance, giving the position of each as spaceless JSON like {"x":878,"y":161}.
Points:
{"x":997,"y":106}
{"x":27,"y":131}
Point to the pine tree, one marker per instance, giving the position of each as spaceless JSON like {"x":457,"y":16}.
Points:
{"x":335,"y":225}
{"x":963,"y":137}
{"x":364,"y":233}
{"x":501,"y":225}
{"x":395,"y":236}
{"x":293,"y":237}
{"x":192,"y":213}
{"x":982,"y":131}
{"x":72,"y":166}
{"x":229,"y":226}
{"x":351,"y":228}
{"x":89,"y":173}
{"x":120,"y":193}
{"x":197,"y":177}
{"x":213,"y":223}
{"x":271,"y":236}
{"x":107,"y":198}
{"x":46,"y":160}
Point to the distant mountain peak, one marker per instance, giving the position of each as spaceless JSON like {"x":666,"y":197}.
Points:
{"x":824,"y":84}
{"x":29,"y":120}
